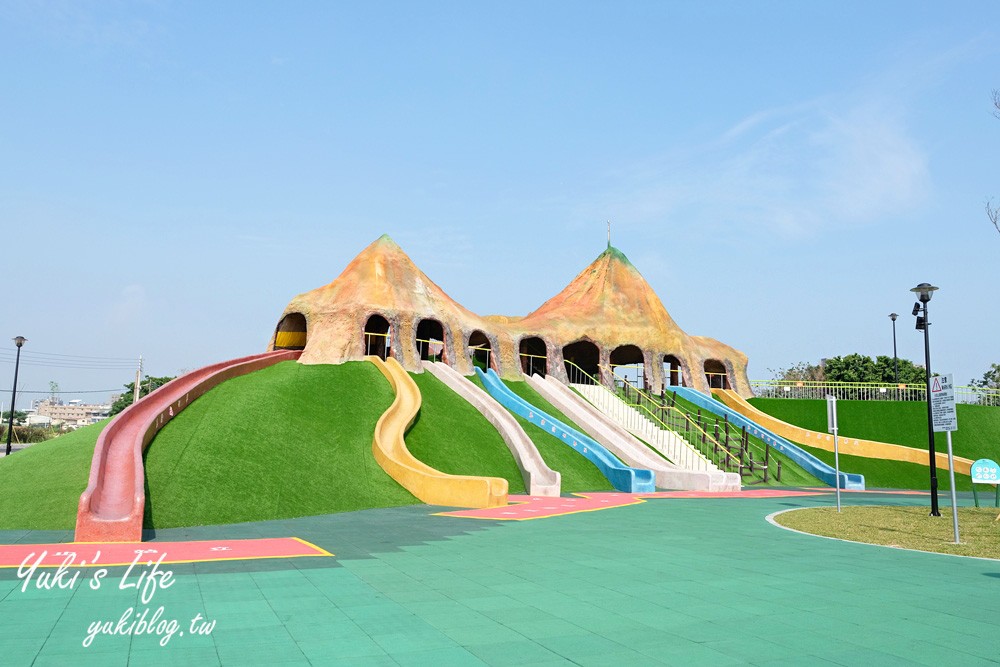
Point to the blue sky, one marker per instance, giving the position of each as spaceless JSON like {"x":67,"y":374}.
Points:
{"x":781,"y":172}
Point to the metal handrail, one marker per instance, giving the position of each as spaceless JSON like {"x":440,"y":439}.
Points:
{"x":368,"y":343}
{"x":866,"y":391}
{"x":724,"y":435}
{"x":428,"y":349}
{"x":674,"y":420}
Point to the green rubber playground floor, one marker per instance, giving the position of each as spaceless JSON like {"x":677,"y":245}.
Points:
{"x":668,"y":581}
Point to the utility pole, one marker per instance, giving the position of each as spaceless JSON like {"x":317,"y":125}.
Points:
{"x":135,"y":385}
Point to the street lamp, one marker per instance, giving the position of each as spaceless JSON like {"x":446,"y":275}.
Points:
{"x":895,"y":357}
{"x":925,"y":292}
{"x":19,"y":341}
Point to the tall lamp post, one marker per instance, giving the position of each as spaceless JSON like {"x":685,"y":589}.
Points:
{"x":895,"y":357}
{"x":19,"y":341}
{"x":925,"y":291}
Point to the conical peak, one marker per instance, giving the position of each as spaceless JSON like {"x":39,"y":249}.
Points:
{"x":614,"y":254}
{"x":385,"y":241}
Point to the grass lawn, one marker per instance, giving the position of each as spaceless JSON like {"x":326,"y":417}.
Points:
{"x":45,"y":480}
{"x":898,"y":422}
{"x":451,"y":435}
{"x":576,"y":472}
{"x":883,"y":474}
{"x":287,"y":441}
{"x":906,"y":527}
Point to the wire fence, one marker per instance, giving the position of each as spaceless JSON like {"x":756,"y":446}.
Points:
{"x":866,"y":391}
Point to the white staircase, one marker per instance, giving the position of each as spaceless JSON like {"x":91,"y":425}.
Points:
{"x":668,"y":443}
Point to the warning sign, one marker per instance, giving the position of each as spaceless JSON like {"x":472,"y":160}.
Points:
{"x":943,"y":411}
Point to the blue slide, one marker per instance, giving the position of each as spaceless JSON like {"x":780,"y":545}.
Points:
{"x":809,"y":463}
{"x":622,"y":477}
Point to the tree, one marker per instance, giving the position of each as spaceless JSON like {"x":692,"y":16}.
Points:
{"x":859,"y":368}
{"x":990,"y":379}
{"x":147,"y":386}
{"x":800,"y":372}
{"x":19,"y":416}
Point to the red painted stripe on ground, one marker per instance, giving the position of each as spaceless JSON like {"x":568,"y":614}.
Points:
{"x":94,"y":554}
{"x":541,"y":507}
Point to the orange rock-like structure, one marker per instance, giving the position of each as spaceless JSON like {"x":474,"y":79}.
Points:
{"x":607,"y":315}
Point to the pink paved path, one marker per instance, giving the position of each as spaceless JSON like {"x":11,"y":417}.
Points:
{"x":539,"y":507}
{"x":89,"y":554}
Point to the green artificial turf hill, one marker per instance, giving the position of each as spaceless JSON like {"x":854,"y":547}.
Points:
{"x":897,"y":422}
{"x":575,"y":471}
{"x":287,"y":441}
{"x":45,"y":481}
{"x":452,"y":436}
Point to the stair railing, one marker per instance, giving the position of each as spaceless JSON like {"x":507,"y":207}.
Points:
{"x":634,"y":414}
{"x":754,"y":459}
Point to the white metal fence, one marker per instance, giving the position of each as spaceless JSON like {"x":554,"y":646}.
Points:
{"x":866,"y":391}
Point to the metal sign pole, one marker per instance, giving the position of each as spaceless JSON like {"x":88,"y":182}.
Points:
{"x":951,"y":480}
{"x":944,"y":417}
{"x":831,"y":423}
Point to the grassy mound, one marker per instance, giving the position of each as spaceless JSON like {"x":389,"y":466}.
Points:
{"x":451,"y":435}
{"x":576,"y":472}
{"x":46,"y":480}
{"x":897,"y":422}
{"x":287,"y":441}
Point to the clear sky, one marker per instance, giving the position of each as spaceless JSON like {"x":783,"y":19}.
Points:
{"x":782,"y":173}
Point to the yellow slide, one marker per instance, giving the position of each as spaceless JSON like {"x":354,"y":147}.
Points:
{"x":429,"y":485}
{"x":867,"y":448}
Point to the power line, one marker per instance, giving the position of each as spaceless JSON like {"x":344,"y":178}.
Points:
{"x":95,"y":368}
{"x":47,"y":393}
{"x":36,"y":353}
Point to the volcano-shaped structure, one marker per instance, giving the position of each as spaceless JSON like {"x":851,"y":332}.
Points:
{"x":607,"y":316}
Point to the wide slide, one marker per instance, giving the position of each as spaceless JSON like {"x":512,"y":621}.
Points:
{"x":626,"y":446}
{"x":623,"y":478}
{"x":853,"y":446}
{"x":539,"y":478}
{"x":111,"y":507}
{"x":807,"y":461}
{"x":428,"y":484}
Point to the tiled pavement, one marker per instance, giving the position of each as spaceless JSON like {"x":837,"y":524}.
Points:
{"x":668,"y":581}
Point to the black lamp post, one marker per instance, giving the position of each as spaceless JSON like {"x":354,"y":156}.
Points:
{"x":19,"y":341}
{"x":925,"y":291}
{"x":895,"y":357}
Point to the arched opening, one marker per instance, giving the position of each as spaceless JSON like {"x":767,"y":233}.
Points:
{"x":627,"y":365}
{"x":534,"y":356}
{"x":481,"y":352}
{"x":430,"y":340}
{"x":291,"y":332}
{"x":582,"y":360}
{"x":377,"y":337}
{"x":673,"y":374}
{"x":715,"y":374}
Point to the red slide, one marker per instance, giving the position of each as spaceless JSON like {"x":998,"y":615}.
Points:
{"x":112,"y":505}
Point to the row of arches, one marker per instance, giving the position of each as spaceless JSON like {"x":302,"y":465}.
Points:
{"x":582,"y":358}
{"x":429,"y":339}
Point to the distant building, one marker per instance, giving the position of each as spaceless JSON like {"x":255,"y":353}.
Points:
{"x":38,"y":420}
{"x":73,"y":414}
